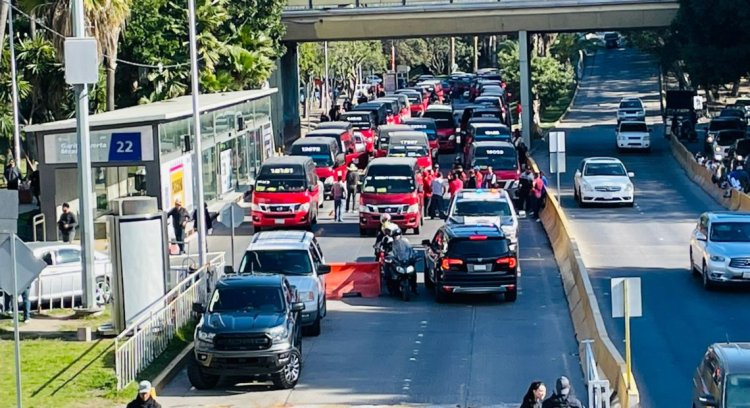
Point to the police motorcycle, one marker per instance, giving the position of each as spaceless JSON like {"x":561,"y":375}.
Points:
{"x":397,"y":261}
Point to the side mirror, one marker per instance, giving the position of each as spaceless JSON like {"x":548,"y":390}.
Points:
{"x":701,"y":236}
{"x":228,"y":270}
{"x":631,"y":174}
{"x":707,"y":400}
{"x":522,"y":214}
{"x":298,"y":307}
{"x":324,"y":269}
{"x":426,"y":242}
{"x":198,"y":308}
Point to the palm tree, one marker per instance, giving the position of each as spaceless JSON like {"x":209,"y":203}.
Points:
{"x":105,"y":20}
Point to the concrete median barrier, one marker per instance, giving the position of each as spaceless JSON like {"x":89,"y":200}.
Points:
{"x":584,"y":308}
{"x":353,"y":279}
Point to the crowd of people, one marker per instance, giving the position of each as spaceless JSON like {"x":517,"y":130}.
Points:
{"x":561,"y":398}
{"x":728,"y":176}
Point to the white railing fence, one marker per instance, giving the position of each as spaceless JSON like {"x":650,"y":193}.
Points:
{"x":598,"y":388}
{"x":147,"y":337}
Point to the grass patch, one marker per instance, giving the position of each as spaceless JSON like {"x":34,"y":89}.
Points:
{"x":58,"y":373}
{"x":553,"y":113}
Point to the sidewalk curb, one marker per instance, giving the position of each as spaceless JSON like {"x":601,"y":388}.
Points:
{"x":171,"y":370}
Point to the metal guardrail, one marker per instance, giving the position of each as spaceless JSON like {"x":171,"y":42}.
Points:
{"x":35,"y":222}
{"x":293,"y":5}
{"x":147,"y":338}
{"x":599,"y":392}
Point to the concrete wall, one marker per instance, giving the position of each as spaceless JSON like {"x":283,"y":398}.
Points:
{"x":285,"y":104}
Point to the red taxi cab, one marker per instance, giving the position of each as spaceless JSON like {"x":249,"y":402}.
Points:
{"x":286,"y":194}
{"x":418,"y":104}
{"x":433,"y":86}
{"x":429,"y":127}
{"x":391,"y":185}
{"x":379,"y":108}
{"x":411,"y":144}
{"x":404,"y":103}
{"x":503,"y":159}
{"x":330,"y":163}
{"x":346,"y":142}
{"x":383,"y":137}
{"x":446,"y":126}
{"x":365,"y":123}
{"x":392,"y":109}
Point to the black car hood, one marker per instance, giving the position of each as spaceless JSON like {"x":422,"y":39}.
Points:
{"x":241,"y":321}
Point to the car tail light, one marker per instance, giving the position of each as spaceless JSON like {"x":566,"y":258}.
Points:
{"x":478,"y":237}
{"x":509,"y":260}
{"x":447,"y":262}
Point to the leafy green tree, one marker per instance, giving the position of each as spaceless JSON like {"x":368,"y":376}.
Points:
{"x":38,"y":65}
{"x":344,"y":58}
{"x":24,"y":89}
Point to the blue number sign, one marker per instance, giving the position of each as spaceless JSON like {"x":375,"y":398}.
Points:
{"x":125,"y":147}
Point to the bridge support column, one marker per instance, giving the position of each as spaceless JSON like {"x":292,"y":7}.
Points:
{"x":286,"y":108}
{"x":526,"y":109}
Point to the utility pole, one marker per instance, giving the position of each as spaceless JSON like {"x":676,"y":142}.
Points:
{"x":453,"y":55}
{"x":393,"y":55}
{"x":14,"y":91}
{"x":198,"y":146}
{"x":327,"y":85}
{"x":85,"y":184}
{"x":476,"y":53}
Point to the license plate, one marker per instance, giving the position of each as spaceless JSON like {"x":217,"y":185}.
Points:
{"x":480,"y":267}
{"x":279,"y":221}
{"x":745,"y":275}
{"x":608,"y":196}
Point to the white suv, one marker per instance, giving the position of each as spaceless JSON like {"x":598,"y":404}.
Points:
{"x":603,"y":180}
{"x":297,"y":255}
{"x":631,"y":109}
{"x":479,"y":206}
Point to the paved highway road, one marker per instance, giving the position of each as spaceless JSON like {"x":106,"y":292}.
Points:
{"x":650,"y":240}
{"x":475,"y":351}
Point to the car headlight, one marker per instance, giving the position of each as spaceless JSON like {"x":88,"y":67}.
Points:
{"x":413,"y":208}
{"x":452,"y":137}
{"x":646,"y":138}
{"x":587,"y":187}
{"x":279,"y":333}
{"x":717,"y":258}
{"x":409,"y":269}
{"x":400,"y":269}
{"x":709,"y":139}
{"x":307,"y":296}
{"x":362,"y":208}
{"x":328,"y":180}
{"x":628,"y":187}
{"x":256,"y":207}
{"x":206,"y":337}
{"x":303,"y":207}
{"x":717,"y":148}
{"x":739,"y":157}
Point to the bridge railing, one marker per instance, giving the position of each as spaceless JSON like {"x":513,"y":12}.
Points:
{"x":333,"y":4}
{"x":598,"y":388}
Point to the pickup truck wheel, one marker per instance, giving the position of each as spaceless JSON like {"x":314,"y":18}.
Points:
{"x":199,"y":379}
{"x":289,"y":376}
{"x":103,"y":291}
{"x":510,"y":296}
{"x":314,"y":330}
{"x":427,"y":281}
{"x":417,"y":230}
{"x":440,"y":295}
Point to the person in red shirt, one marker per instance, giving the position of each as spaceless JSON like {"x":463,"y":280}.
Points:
{"x":478,"y":176}
{"x":537,"y":191}
{"x":427,"y":178}
{"x":454,"y":184}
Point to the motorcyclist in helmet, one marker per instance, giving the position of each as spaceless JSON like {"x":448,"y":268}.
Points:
{"x":385,"y":225}
{"x":402,"y":250}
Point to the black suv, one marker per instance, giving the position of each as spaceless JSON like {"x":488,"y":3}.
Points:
{"x":470,"y":259}
{"x":252,"y":326}
{"x":722,"y":380}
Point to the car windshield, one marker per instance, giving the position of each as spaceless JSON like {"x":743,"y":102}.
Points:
{"x":728,"y":138}
{"x":732,"y":112}
{"x":285,"y":262}
{"x":633,"y":127}
{"x":730,"y":232}
{"x":630,"y":105}
{"x":500,"y":158}
{"x":407,"y":151}
{"x":443,"y":120}
{"x":742,"y":102}
{"x":471,"y":208}
{"x":392,"y":184}
{"x":604,"y":169}
{"x":738,"y":391}
{"x":717,"y":125}
{"x":253,"y":298}
{"x":488,"y":248}
{"x":322,"y":160}
{"x":280,"y":185}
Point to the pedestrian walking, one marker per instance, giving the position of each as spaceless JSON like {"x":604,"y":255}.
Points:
{"x":454,"y":185}
{"x":534,"y":397}
{"x":472,"y":181}
{"x":12,"y":175}
{"x":490,"y":179}
{"x":338,"y":191}
{"x":35,"y":183}
{"x":522,"y":153}
{"x":525,"y":185}
{"x":427,"y":177}
{"x":352,"y":185}
{"x":207,"y":219}
{"x":479,"y":176}
{"x":335,"y":113}
{"x":66,"y":224}
{"x":562,"y":397}
{"x":438,"y":188}
{"x":537,"y":191}
{"x":180,"y":218}
{"x":145,"y":397}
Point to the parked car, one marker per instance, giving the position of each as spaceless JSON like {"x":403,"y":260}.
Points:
{"x":471,"y":259}
{"x":722,"y":379}
{"x":600,"y":180}
{"x":61,"y":279}
{"x":251,"y":326}
{"x":720,"y":248}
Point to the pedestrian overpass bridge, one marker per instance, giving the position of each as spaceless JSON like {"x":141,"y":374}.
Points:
{"x":340,"y":20}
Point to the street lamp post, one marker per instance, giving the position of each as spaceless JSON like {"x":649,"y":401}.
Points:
{"x":198,"y":152}
{"x":14,"y":90}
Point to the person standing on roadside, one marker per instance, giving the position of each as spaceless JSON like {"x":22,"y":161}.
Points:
{"x":454,"y":185}
{"x":562,"y":397}
{"x":35,"y":183}
{"x":472,"y":181}
{"x":67,"y":224}
{"x":352,"y":184}
{"x":534,"y":397}
{"x":12,"y":175}
{"x":145,"y":398}
{"x":526,"y":184}
{"x":427,"y":178}
{"x":180,"y":218}
{"x":490,"y":179}
{"x":538,"y":191}
{"x":338,"y":191}
{"x":436,"y":199}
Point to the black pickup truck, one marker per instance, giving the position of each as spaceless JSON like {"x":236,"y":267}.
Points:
{"x":251,"y":327}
